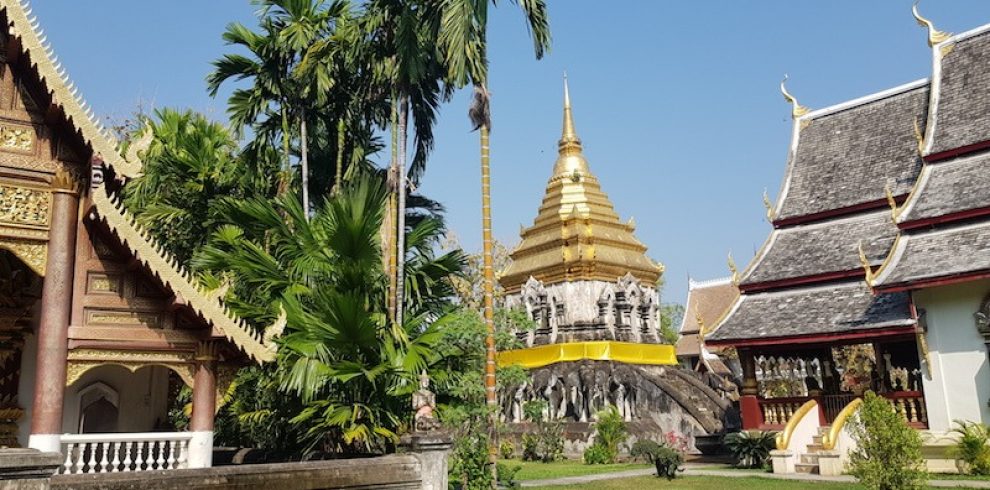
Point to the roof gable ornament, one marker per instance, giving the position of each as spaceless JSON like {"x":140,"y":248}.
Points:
{"x":771,"y":215}
{"x":867,"y":268}
{"x":935,"y":36}
{"x":919,"y":136}
{"x":892,"y":202}
{"x":733,"y":269}
{"x":797,"y":110}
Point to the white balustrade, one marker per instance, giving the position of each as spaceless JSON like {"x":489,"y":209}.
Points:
{"x":113,"y":453}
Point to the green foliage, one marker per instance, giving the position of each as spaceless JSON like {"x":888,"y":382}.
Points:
{"x":530,"y":447}
{"x":610,"y":433}
{"x":666,"y":459}
{"x":353,"y":371}
{"x":191,"y":169}
{"x":973,"y":447}
{"x":507,"y":475}
{"x":546,"y":442}
{"x":469,"y":465}
{"x":506,"y":450}
{"x":751,"y":449}
{"x":888,"y":452}
{"x":597,"y":454}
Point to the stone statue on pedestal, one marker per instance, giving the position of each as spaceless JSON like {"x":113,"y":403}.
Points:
{"x":424,"y":403}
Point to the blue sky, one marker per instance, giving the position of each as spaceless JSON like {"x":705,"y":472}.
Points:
{"x":676,"y":101}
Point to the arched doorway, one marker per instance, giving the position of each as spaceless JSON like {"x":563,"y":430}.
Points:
{"x":20,"y":289}
{"x":99,"y":409}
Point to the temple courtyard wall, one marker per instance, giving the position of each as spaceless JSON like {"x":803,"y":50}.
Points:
{"x":957,"y":353}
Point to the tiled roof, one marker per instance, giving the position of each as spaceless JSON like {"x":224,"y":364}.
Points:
{"x":846,"y":157}
{"x":960,"y":249}
{"x":823,"y":247}
{"x":824,"y":309}
{"x":948,"y":187}
{"x":961,"y":114}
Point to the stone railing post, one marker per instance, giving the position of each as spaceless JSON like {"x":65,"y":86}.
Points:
{"x":432,"y":448}
{"x":27,"y":469}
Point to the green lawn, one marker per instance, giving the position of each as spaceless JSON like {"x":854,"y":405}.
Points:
{"x":704,"y":483}
{"x":540,"y":471}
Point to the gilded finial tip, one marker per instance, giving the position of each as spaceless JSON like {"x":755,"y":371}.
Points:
{"x":935,"y":36}
{"x":797,"y":110}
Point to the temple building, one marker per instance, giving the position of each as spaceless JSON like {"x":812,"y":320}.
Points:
{"x":707,"y":302}
{"x":99,"y":325}
{"x":585,"y":280}
{"x":875,"y":274}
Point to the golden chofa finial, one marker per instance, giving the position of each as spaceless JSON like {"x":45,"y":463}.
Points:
{"x":865,"y":262}
{"x":769,"y":205}
{"x":892,"y":202}
{"x":797,"y":110}
{"x":935,"y":36}
{"x":733,"y":269}
{"x":919,"y":136}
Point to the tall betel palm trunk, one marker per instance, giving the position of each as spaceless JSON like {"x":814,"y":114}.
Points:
{"x":400,"y":237}
{"x":304,"y":161}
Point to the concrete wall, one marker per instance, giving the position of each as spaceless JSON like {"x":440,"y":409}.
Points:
{"x":959,"y":384}
{"x":395,"y":472}
{"x":143,"y":397}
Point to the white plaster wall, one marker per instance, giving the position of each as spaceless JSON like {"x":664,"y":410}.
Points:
{"x":959,"y":386}
{"x":143,"y":397}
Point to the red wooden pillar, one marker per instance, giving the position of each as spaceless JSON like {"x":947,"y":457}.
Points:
{"x":56,"y":308}
{"x":749,"y":402}
{"x":204,"y":402}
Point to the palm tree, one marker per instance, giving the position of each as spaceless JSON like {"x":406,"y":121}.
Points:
{"x":464,"y":41}
{"x":191,"y":165}
{"x":340,"y":354}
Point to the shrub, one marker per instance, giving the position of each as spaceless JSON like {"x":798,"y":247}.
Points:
{"x":666,"y":459}
{"x":533,"y":410}
{"x":469,"y":459}
{"x":506,"y":450}
{"x":507,"y":475}
{"x":596,"y":454}
{"x":751,"y":449}
{"x":551,"y":442}
{"x":530,"y":447}
{"x":973,"y":447}
{"x":610,"y":433}
{"x":888,"y":453}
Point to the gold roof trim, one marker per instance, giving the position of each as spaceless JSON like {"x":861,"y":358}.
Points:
{"x":935,"y":36}
{"x":577,"y":235}
{"x":797,"y":110}
{"x":24,"y":26}
{"x":154,"y":256}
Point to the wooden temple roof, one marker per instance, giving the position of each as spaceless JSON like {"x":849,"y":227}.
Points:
{"x":945,"y":223}
{"x":577,"y":235}
{"x":707,"y":303}
{"x":106,"y":208}
{"x":847,"y":162}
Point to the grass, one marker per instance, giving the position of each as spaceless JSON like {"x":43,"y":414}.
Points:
{"x":704,"y":483}
{"x":558,"y":469}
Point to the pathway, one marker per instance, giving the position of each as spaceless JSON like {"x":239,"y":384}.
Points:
{"x":707,"y":470}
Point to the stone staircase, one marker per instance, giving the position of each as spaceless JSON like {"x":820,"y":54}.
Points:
{"x":808,"y":461}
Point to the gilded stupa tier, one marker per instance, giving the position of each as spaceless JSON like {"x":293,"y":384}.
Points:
{"x":577,"y":234}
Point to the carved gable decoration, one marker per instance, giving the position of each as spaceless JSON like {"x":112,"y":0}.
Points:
{"x":982,"y":317}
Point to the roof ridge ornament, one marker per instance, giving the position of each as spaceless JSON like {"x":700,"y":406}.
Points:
{"x":935,"y":36}
{"x":797,"y":110}
{"x":919,"y":136}
{"x":733,"y":269}
{"x":892,"y":202}
{"x":771,"y":215}
{"x":867,"y":268}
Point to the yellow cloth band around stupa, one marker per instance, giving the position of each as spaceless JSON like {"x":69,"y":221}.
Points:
{"x":627,"y":352}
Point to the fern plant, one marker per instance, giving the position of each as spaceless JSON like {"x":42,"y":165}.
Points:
{"x":973,"y":447}
{"x":751,"y":449}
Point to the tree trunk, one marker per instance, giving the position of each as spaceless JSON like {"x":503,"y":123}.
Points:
{"x":304,"y":163}
{"x":388,"y":240}
{"x":338,"y":177}
{"x":285,"y":179}
{"x":400,"y":237}
{"x":491,"y":399}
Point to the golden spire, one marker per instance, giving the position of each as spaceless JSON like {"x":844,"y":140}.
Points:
{"x":568,"y":137}
{"x":577,"y":235}
{"x":935,"y":36}
{"x":797,"y":110}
